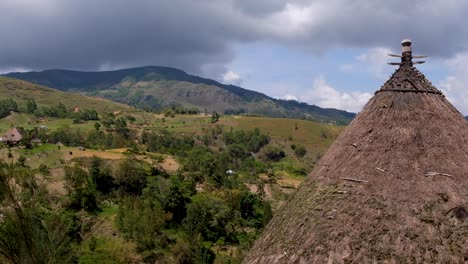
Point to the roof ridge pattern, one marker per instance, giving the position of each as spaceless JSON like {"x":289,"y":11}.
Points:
{"x":409,"y":79}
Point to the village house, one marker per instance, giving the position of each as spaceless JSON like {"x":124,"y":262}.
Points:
{"x":11,"y":137}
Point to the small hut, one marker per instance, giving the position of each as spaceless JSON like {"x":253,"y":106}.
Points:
{"x":12,"y":136}
{"x":393,"y":188}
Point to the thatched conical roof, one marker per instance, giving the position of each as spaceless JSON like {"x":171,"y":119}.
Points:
{"x":393,"y":188}
{"x":13,"y":135}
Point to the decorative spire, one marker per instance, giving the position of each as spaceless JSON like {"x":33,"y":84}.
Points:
{"x":407,"y":78}
{"x":406,"y":55}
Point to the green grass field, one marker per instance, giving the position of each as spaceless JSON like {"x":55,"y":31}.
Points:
{"x":308,"y":133}
{"x":30,"y":121}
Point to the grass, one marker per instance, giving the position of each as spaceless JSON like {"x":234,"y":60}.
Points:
{"x":30,"y":121}
{"x":110,"y":210}
{"x":47,"y":154}
{"x":183,"y":122}
{"x":105,"y":246}
{"x":21,"y":91}
{"x":308,"y":133}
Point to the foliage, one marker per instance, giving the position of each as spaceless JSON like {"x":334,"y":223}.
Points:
{"x":31,"y":232}
{"x":274,"y":153}
{"x":88,"y":114}
{"x":144,"y":223}
{"x":209,"y":216}
{"x":177,"y":86}
{"x":214,"y":117}
{"x":31,"y":106}
{"x":300,"y":151}
{"x":188,"y":216}
{"x":130,"y":176}
{"x":167,"y":142}
{"x":81,"y":189}
{"x":6,"y":106}
{"x":253,"y":140}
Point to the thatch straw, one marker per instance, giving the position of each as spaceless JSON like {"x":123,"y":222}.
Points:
{"x":406,"y":211}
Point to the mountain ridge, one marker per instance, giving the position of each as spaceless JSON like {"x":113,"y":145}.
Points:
{"x":155,"y":86}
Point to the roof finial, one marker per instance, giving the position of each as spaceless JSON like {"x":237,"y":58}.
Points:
{"x":406,"y":43}
{"x":406,"y":55}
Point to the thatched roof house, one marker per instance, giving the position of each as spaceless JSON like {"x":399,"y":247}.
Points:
{"x":12,"y":136}
{"x":393,"y":188}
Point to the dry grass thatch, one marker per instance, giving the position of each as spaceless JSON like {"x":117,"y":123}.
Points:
{"x":393,"y":188}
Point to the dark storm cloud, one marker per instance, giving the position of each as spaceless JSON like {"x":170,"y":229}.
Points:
{"x":87,"y":34}
{"x":105,"y":34}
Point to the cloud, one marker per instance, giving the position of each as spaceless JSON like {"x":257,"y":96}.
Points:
{"x":454,"y":85}
{"x":324,"y":95}
{"x":375,"y":61}
{"x":192,"y":35}
{"x":13,"y":69}
{"x":289,"y":97}
{"x":233,"y":78}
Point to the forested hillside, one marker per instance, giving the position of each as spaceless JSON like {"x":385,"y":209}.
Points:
{"x":155,"y":88}
{"x":105,"y":183}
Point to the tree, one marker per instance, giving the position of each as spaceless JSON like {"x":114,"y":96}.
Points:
{"x":97,"y":126}
{"x":300,"y":151}
{"x":81,"y":189}
{"x":131,"y":119}
{"x":102,"y":179}
{"x":130,"y":176}
{"x":172,"y":194}
{"x":200,"y":162}
{"x":208,"y":216}
{"x":29,"y":231}
{"x":31,"y":106}
{"x":6,"y":106}
{"x":142,"y":222}
{"x":214,"y":117}
{"x":274,"y":153}
{"x":89,"y":114}
{"x":254,"y":210}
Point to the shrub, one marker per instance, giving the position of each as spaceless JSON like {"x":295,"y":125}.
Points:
{"x":274,"y":153}
{"x":300,"y":151}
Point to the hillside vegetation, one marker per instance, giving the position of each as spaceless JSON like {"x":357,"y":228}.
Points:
{"x":93,"y":181}
{"x":156,"y":88}
{"x":21,"y":91}
{"x":139,"y":194}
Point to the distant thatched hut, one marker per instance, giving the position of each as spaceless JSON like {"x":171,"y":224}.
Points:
{"x":12,"y":136}
{"x":393,"y":188}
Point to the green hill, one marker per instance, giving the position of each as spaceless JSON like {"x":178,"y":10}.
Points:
{"x":21,"y":91}
{"x":159,"y":87}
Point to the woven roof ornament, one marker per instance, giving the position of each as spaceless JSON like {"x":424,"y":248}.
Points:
{"x":393,"y":188}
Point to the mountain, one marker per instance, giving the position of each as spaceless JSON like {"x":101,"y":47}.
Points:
{"x":20,"y":91}
{"x":466,"y":117}
{"x":158,"y":87}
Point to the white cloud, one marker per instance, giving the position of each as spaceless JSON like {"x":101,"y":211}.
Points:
{"x":375,"y":61}
{"x":455,"y":85}
{"x":233,"y":78}
{"x":324,"y":95}
{"x":289,"y":97}
{"x":13,"y":69}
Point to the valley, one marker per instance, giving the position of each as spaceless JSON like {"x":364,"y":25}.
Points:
{"x":102,"y":163}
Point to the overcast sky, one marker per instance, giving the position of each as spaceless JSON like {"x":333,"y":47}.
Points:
{"x":331,"y":53}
